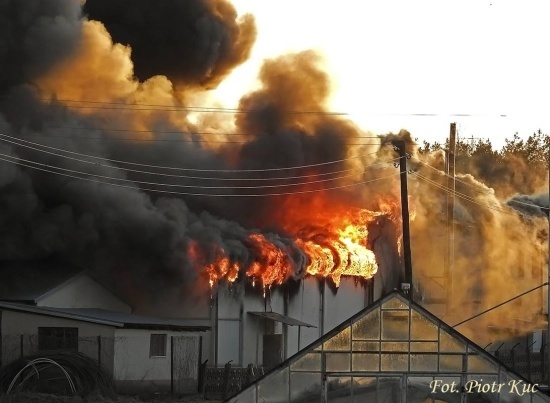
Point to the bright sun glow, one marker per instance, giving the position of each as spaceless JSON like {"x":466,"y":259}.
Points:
{"x":391,"y":59}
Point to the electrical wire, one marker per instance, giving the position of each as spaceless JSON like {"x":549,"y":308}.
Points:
{"x":167,"y":184}
{"x":484,"y":191}
{"x":197,"y":177}
{"x":194,"y":194}
{"x":190,"y":141}
{"x":80,"y":104}
{"x":465,"y":197}
{"x":165,"y":107}
{"x":15,"y":140}
{"x":109,"y":129}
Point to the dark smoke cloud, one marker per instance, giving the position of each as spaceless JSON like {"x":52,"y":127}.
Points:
{"x":190,"y":41}
{"x":34,"y":36}
{"x":534,"y":205}
{"x":135,"y":240}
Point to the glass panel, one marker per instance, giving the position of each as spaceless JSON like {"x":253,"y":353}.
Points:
{"x":540,"y":398}
{"x":274,"y":388}
{"x":248,"y":396}
{"x":394,"y":346}
{"x":339,"y":342}
{"x":339,"y":389}
{"x":449,"y":344}
{"x":389,"y":389}
{"x":305,"y":387}
{"x":394,"y":303}
{"x":338,"y":362}
{"x":424,"y":362}
{"x":419,"y":389}
{"x":366,"y":346}
{"x":395,"y":362}
{"x":422,"y":328}
{"x":477,"y":364}
{"x":309,"y":362}
{"x":483,"y":388}
{"x":424,"y":346}
{"x":450,"y":363}
{"x":365,"y":362}
{"x":395,"y":325}
{"x":364,"y":389}
{"x":368,"y":327}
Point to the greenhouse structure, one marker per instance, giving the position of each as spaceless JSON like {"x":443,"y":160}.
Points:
{"x":392,"y":351}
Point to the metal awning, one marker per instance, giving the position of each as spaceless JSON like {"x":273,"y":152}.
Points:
{"x":281,"y":318}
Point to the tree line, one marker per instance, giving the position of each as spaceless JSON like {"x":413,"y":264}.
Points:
{"x":521,"y":166}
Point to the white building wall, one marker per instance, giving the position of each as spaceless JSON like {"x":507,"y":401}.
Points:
{"x":240,"y":336}
{"x":132,"y":361}
{"x":83,"y":292}
{"x":306,"y":307}
{"x":16,"y":324}
{"x":253,"y":329}
{"x":349,"y":299}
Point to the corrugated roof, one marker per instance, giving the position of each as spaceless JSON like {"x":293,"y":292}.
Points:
{"x":134,"y":321}
{"x":110,"y":318}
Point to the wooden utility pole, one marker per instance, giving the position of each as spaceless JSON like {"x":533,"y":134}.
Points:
{"x":451,"y":215}
{"x":407,"y":285}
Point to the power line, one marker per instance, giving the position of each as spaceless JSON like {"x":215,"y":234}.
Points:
{"x":191,"y":133}
{"x":167,"y":107}
{"x":485,"y":191}
{"x":450,"y":176}
{"x":207,"y":178}
{"x":15,"y":140}
{"x":172,"y":108}
{"x":194,"y":194}
{"x":463,"y":196}
{"x":499,"y":305}
{"x":168,"y":184}
{"x":192,"y":141}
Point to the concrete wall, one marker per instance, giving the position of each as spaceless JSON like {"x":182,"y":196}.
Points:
{"x":83,"y":292}
{"x":134,"y":370}
{"x":16,"y":324}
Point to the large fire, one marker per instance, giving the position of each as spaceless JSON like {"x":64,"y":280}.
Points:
{"x":333,"y":240}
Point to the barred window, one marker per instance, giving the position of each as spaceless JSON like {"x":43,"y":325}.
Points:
{"x":58,"y":338}
{"x":157,"y":346}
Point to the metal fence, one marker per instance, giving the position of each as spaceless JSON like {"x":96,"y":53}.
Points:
{"x":18,"y":346}
{"x":530,"y":365}
{"x":224,"y":382}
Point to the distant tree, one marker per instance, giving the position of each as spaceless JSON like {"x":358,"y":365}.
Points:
{"x":521,"y":166}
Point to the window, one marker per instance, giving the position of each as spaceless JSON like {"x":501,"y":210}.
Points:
{"x":58,"y":338}
{"x":157,"y":347}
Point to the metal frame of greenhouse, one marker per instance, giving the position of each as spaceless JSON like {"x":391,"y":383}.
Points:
{"x":392,"y":351}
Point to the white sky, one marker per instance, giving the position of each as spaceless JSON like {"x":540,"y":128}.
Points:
{"x":391,"y":57}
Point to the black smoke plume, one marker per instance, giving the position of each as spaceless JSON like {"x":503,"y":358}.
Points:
{"x":34,"y":36}
{"x":133,"y":238}
{"x":191,"y":42}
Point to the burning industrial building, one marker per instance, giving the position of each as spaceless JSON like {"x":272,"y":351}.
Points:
{"x":112,"y":161}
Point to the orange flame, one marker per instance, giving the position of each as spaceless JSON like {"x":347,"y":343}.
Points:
{"x":334,"y":244}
